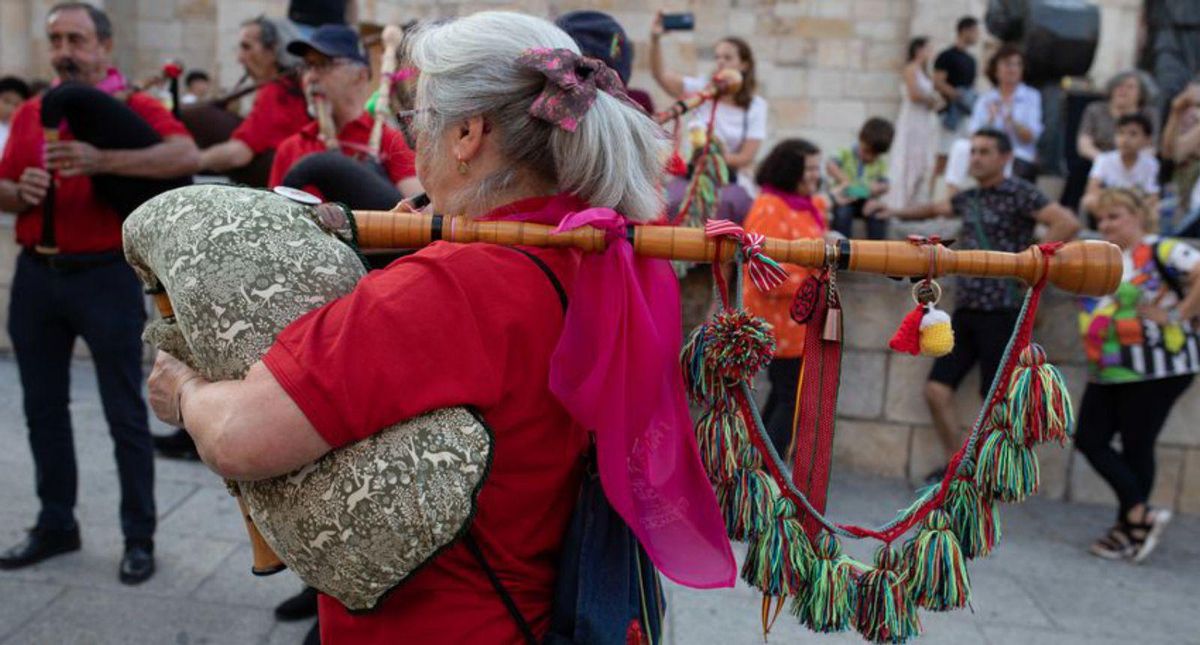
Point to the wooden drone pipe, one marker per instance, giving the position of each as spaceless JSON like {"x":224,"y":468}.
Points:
{"x":1084,"y":267}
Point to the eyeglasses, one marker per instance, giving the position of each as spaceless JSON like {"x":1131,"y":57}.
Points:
{"x":324,"y":65}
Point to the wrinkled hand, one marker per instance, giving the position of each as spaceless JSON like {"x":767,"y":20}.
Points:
{"x":32,"y":186}
{"x":166,"y":385}
{"x":73,"y":158}
{"x":404,"y":206}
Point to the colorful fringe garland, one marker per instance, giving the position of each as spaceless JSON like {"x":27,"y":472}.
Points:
{"x":829,"y":604}
{"x":1008,"y":468}
{"x":937,"y":571}
{"x":747,"y":500}
{"x":974,"y":519}
{"x":883,"y":611}
{"x":1038,"y":402}
{"x":724,"y":443}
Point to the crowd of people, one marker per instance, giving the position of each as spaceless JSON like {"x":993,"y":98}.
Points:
{"x":478,"y":150}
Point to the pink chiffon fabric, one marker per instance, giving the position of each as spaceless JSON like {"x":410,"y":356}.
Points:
{"x":616,"y":371}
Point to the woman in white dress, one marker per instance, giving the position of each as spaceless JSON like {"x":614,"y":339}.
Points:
{"x":911,"y":164}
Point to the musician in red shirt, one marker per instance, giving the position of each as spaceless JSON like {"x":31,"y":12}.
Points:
{"x":279,"y":109}
{"x":84,"y":289}
{"x":336,"y":69}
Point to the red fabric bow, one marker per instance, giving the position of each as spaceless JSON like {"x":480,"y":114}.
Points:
{"x":571,"y":84}
{"x":764,"y":272}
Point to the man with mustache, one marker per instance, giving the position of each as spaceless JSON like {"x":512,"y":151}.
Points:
{"x":82,"y":288}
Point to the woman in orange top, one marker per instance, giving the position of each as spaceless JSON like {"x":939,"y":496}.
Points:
{"x":787,"y":207}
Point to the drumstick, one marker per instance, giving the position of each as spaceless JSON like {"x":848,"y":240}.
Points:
{"x":393,"y":36}
{"x":726,"y":81}
{"x":1086,"y":267}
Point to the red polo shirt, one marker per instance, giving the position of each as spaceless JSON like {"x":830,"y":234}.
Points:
{"x":83,"y":223}
{"x":279,"y":111}
{"x":394,"y":153}
{"x":454,"y":324}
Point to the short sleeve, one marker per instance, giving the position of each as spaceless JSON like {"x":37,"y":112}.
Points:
{"x":1182,"y":257}
{"x":275,"y":115}
{"x":406,"y":341}
{"x":398,"y":159}
{"x":159,"y":118}
{"x":1088,"y":124}
{"x":692,"y":84}
{"x":942,"y":62}
{"x":15,"y":159}
{"x":756,"y":119}
{"x":1100,"y":167}
{"x":1033,"y":199}
{"x":285,"y":156}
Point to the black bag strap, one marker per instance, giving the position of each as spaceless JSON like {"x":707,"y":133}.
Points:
{"x":541,"y":264}
{"x":509,"y":603}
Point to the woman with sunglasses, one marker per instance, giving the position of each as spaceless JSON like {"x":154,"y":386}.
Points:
{"x":1143,"y":354}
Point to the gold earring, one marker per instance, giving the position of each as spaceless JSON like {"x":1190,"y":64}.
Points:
{"x":463,"y":167}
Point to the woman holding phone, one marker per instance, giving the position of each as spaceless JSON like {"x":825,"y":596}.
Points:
{"x":741,"y":119}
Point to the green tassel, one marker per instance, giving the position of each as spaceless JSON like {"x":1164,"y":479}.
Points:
{"x":974,"y":519}
{"x":937,"y":571}
{"x":1039,"y":404}
{"x":724,"y":443}
{"x":725,"y":352}
{"x":884,"y":612}
{"x":1007,"y":468}
{"x":747,"y":501}
{"x":778,"y":558}
{"x":828,"y":604}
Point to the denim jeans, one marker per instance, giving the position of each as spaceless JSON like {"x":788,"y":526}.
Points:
{"x":843,"y":220}
{"x":104,"y":305}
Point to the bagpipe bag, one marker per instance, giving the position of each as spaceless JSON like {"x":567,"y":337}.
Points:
{"x":239,"y":264}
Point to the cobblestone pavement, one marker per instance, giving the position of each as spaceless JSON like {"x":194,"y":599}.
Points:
{"x":1040,"y":587}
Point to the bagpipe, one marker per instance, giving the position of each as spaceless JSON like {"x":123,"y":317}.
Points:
{"x":97,"y":118}
{"x":267,"y":260}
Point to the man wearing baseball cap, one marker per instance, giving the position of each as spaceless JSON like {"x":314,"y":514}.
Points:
{"x":336,"y":70}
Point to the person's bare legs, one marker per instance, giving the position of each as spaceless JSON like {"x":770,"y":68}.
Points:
{"x":940,"y":398}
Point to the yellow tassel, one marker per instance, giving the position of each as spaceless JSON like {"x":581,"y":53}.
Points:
{"x":937,"y":335}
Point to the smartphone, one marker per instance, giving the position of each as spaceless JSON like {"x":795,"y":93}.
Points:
{"x":679,"y":21}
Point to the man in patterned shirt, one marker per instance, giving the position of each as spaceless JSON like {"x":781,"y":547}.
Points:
{"x":999,"y":215}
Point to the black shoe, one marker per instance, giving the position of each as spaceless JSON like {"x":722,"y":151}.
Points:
{"x":137,"y":565}
{"x":39,"y":545}
{"x":298,"y":607}
{"x":178,"y":445}
{"x":313,"y":637}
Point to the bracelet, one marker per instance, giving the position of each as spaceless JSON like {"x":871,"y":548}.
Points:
{"x":179,"y":400}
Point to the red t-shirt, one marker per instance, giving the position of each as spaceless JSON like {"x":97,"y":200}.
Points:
{"x":83,"y":223}
{"x":279,"y":111}
{"x":453,"y":324}
{"x":395,"y":155}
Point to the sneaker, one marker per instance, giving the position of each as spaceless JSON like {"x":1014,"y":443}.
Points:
{"x":298,"y":607}
{"x":1117,"y":545}
{"x":178,"y":445}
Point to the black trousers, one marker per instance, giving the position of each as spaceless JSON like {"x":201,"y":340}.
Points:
{"x":1136,"y":412}
{"x":104,"y":305}
{"x":780,"y":410}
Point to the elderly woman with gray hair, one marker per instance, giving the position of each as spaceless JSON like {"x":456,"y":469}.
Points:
{"x":556,"y":349}
{"x":1126,"y":94}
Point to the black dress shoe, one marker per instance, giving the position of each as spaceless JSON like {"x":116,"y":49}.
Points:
{"x":178,"y":445}
{"x":39,"y":545}
{"x":137,"y":565}
{"x":298,"y":607}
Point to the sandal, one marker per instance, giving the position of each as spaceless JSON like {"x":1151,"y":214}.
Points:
{"x":1145,"y":534}
{"x":1117,"y":545}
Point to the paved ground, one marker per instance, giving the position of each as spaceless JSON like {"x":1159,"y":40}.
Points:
{"x":1041,"y":587}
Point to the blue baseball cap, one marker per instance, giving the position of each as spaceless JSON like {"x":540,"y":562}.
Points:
{"x":335,"y":41}
{"x":600,"y":36}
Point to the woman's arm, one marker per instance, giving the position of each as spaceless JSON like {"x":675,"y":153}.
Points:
{"x":744,"y":157}
{"x":913,"y":88}
{"x":1025,"y":119}
{"x":244,"y":430}
{"x":671,"y":82}
{"x":1086,"y":147}
{"x":1094,"y":186}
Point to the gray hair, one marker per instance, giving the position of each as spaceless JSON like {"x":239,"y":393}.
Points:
{"x":100,"y":21}
{"x":275,"y":34}
{"x":1147,"y":90}
{"x":468,"y":68}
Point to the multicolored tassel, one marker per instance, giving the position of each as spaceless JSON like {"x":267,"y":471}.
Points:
{"x":884,"y":612}
{"x":778,"y":557}
{"x":974,"y":519}
{"x":1007,"y":467}
{"x":724,"y":352}
{"x":937,"y":570}
{"x":724,"y":443}
{"x":1039,"y":404}
{"x":827,"y":604}
{"x":747,"y":500}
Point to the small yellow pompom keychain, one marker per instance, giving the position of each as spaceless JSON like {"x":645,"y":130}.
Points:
{"x":926,"y":330}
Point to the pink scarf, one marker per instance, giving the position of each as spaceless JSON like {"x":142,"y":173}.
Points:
{"x":798,"y":202}
{"x":615,"y":370}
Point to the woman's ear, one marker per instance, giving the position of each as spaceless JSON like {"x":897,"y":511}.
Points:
{"x":468,"y":141}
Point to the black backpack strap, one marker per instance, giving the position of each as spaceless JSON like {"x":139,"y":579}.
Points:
{"x":509,"y":604}
{"x":541,"y":264}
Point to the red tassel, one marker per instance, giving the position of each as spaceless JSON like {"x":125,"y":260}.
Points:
{"x":634,"y":634}
{"x":907,"y":338}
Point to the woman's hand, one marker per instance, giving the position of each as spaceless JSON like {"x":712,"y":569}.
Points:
{"x":656,"y":26}
{"x":166,"y":384}
{"x":1154,"y":313}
